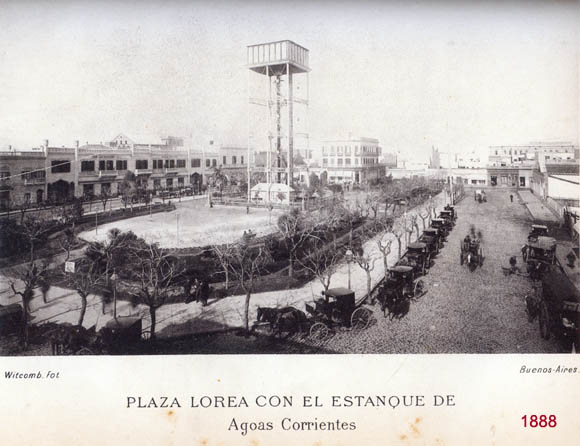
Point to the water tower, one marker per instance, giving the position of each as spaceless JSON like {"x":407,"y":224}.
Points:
{"x":278,"y":108}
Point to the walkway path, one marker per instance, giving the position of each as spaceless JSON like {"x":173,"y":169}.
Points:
{"x":539,"y":211}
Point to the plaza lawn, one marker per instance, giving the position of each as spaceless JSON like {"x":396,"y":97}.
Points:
{"x":193,"y":223}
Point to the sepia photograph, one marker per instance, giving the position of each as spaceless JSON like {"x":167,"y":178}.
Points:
{"x":196,"y":178}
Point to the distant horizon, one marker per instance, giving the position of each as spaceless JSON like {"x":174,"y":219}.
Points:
{"x":461,"y":78}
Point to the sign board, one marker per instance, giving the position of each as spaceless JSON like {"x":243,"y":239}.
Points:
{"x":69,"y":267}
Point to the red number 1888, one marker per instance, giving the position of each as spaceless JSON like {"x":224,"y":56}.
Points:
{"x":540,"y":421}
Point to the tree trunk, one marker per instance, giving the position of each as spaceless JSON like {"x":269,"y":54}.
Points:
{"x":290,"y":266}
{"x":399,"y":245}
{"x":153,"y":314}
{"x":386,"y":261}
{"x":369,"y":300}
{"x":227,"y":273}
{"x":24,"y":324}
{"x":83,"y":309}
{"x":247,"y":311}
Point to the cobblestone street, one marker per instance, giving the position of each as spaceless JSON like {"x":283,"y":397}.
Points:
{"x":464,"y":312}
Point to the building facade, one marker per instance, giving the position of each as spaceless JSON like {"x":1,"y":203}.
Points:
{"x":353,"y":160}
{"x":502,"y":156}
{"x":60,"y":173}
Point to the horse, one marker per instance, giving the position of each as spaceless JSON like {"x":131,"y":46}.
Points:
{"x":290,"y":320}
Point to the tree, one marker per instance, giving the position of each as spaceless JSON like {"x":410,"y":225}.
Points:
{"x":322,"y":261}
{"x":384,"y":245}
{"x":32,"y":275}
{"x":367,"y":263}
{"x":373,"y":203}
{"x":33,"y":231}
{"x":398,"y":231}
{"x":105,"y":197}
{"x":155,"y":275}
{"x":224,"y":254}
{"x":425,"y":218}
{"x":296,"y":228}
{"x":128,"y":189}
{"x":246,"y":264}
{"x":68,"y":241}
{"x":84,"y":280}
{"x":414,"y":225}
{"x":218,"y":177}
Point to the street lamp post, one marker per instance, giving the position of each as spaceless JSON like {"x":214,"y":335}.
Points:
{"x":348,"y":255}
{"x":114,"y":278}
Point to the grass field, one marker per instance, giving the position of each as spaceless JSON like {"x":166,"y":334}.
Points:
{"x":193,"y":223}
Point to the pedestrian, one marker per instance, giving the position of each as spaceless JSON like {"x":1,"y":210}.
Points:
{"x":44,"y":287}
{"x":204,"y":292}
{"x":247,"y":209}
{"x":512,"y":198}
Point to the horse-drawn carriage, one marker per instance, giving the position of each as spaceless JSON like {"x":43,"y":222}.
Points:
{"x":448,"y":217}
{"x":443,"y":226}
{"x":537,"y":231}
{"x":397,"y":289}
{"x":433,"y":239}
{"x":119,"y":336}
{"x":538,"y":253}
{"x":10,"y":318}
{"x":451,"y":208}
{"x":418,"y":257}
{"x":556,"y":304}
{"x":335,"y":308}
{"x":479,"y":196}
{"x":471,"y":253}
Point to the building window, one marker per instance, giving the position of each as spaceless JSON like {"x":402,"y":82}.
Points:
{"x":224,"y":161}
{"x":88,"y":190}
{"x":180,"y":163}
{"x":106,"y":188}
{"x":172,"y":164}
{"x":110,"y":165}
{"x":121,"y":165}
{"x":141,"y":164}
{"x":340,"y":161}
{"x":170,"y":183}
{"x":347,"y":161}
{"x":207,"y":163}
{"x":522,"y":181}
{"x":242,"y":159}
{"x":332,"y":150}
{"x":195,"y":162}
{"x":214,"y":163}
{"x":156,"y":184}
{"x":356,"y":161}
{"x":87,"y":166}
{"x":60,"y":166}
{"x":325,"y":161}
{"x":234,"y":160}
{"x":157,"y":164}
{"x":180,"y":182}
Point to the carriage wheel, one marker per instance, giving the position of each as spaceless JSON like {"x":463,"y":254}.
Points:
{"x":360,"y":318}
{"x":419,"y":288}
{"x":84,"y":351}
{"x":319,"y":331}
{"x":544,"y":321}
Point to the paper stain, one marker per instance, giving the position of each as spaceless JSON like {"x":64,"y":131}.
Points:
{"x":254,"y":443}
{"x":203,"y":442}
{"x":414,"y":428}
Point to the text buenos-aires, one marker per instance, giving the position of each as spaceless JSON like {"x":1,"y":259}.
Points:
{"x":559,"y":369}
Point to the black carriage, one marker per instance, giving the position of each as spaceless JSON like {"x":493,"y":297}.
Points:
{"x":537,"y":231}
{"x":398,"y":288}
{"x":442,"y":226}
{"x":471,"y":253}
{"x":539,"y":253}
{"x":556,"y":304}
{"x":418,"y":257}
{"x":452,"y":209}
{"x":10,"y":318}
{"x":448,"y":217}
{"x":433,"y":239}
{"x":337,"y":307}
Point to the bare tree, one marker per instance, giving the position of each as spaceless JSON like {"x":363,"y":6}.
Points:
{"x":84,"y":280}
{"x":296,"y":228}
{"x":224,"y":254}
{"x":105,"y":196}
{"x":32,"y":275}
{"x":155,"y":273}
{"x":414,"y":225}
{"x":373,"y":201}
{"x":246,"y":264}
{"x":384,"y":245}
{"x":68,"y":241}
{"x":425,"y":218}
{"x":322,"y":261}
{"x":399,"y":233}
{"x":33,"y":230}
{"x":367,"y":263}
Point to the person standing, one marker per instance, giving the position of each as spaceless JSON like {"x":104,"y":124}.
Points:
{"x":204,"y":292}
{"x":512,"y":198}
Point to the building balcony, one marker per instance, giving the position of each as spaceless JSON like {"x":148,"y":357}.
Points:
{"x":34,"y":181}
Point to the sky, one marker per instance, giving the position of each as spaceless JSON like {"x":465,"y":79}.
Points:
{"x":414,"y":75}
